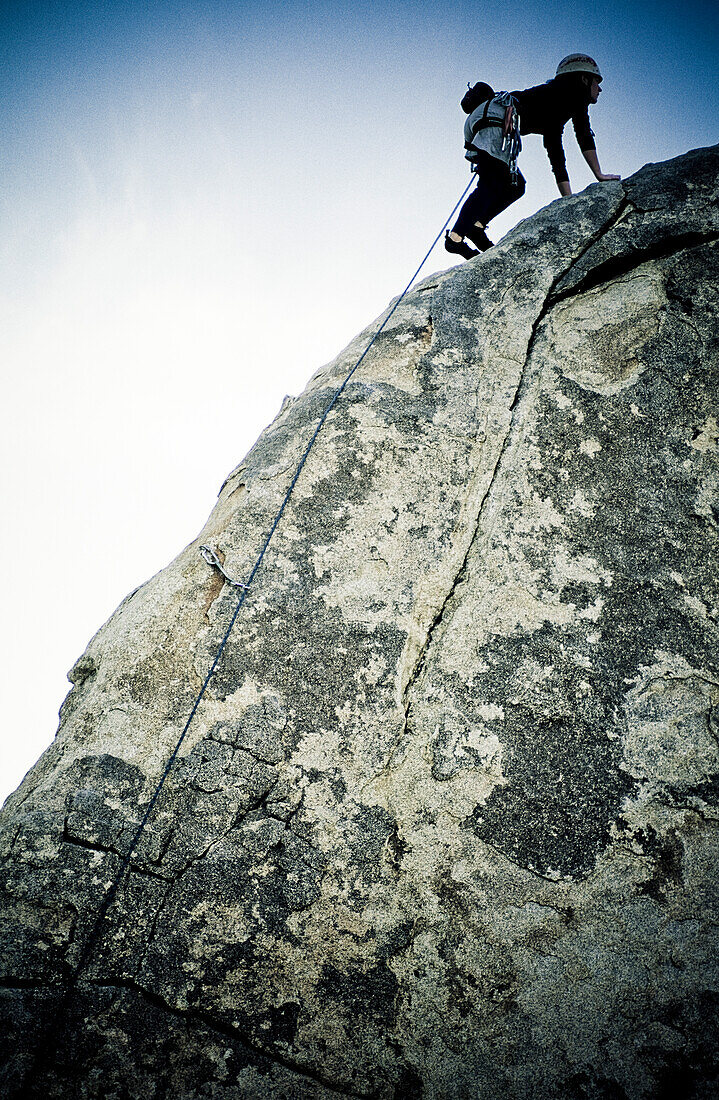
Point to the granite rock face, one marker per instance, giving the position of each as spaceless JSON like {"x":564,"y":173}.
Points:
{"x":445,"y":825}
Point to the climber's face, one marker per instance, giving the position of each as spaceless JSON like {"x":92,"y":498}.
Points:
{"x":594,"y":90}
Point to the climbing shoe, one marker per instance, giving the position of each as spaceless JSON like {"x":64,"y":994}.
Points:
{"x":479,"y":237}
{"x":460,"y":247}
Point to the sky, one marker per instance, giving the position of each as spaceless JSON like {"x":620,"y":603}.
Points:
{"x":203,"y":202}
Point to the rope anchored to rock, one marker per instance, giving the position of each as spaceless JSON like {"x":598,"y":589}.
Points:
{"x":213,"y":560}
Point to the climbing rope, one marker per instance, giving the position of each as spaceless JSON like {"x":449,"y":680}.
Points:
{"x":212,"y":559}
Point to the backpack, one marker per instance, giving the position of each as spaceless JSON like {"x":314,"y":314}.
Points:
{"x":475,"y":94}
{"x":500,"y":112}
{"x":491,"y":116}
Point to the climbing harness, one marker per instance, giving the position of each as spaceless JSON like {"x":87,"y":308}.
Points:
{"x":213,"y":560}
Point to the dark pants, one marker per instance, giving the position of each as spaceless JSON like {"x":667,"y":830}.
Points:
{"x":493,"y":194}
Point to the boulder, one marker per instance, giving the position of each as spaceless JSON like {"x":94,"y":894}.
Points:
{"x":444,"y":824}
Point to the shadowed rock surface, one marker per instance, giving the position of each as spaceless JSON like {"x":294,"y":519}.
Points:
{"x":445,"y":825}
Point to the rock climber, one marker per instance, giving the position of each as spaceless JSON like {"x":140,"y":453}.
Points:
{"x":492,"y":140}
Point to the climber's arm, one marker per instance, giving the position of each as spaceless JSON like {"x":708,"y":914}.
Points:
{"x":590,"y":155}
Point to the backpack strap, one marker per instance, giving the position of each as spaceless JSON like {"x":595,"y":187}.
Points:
{"x":483,"y":123}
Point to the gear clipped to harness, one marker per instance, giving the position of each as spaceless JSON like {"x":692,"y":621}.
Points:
{"x":511,"y":141}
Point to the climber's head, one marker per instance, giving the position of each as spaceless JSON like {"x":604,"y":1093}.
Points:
{"x":581,"y":69}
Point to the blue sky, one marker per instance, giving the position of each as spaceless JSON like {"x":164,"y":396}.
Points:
{"x":201,"y":203}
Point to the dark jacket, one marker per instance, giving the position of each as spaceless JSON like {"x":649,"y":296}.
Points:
{"x":547,"y":108}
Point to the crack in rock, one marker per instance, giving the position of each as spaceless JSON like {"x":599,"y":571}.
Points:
{"x":445,"y":825}
{"x":234,"y":1035}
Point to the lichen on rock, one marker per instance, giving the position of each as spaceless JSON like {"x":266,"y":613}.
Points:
{"x":445,"y":823}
